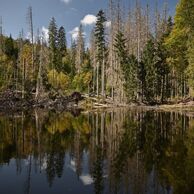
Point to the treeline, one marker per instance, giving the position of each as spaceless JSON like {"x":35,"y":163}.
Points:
{"x":135,"y":55}
{"x":35,"y":66}
{"x":148,"y":56}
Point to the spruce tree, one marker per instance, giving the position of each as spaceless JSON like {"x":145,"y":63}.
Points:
{"x":141,"y":83}
{"x":62,"y":42}
{"x":9,"y":49}
{"x":149,"y":61}
{"x":53,"y":39}
{"x":99,"y":34}
{"x":162,"y":67}
{"x":53,"y":32}
{"x":128,"y":66}
{"x":162,"y":70}
{"x":61,"y":48}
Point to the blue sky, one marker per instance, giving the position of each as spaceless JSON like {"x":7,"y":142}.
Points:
{"x":68,"y":13}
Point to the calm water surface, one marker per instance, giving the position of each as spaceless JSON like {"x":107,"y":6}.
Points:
{"x":113,"y":152}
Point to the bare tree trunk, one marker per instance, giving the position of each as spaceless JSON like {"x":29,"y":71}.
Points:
{"x":97,"y":79}
{"x":31,"y":28}
{"x":23,"y":77}
{"x":103,"y":78}
{"x":39,"y":77}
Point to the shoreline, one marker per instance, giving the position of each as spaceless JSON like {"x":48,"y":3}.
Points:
{"x":12,"y":102}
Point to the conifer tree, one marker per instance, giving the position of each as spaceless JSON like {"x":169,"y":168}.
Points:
{"x":62,"y":42}
{"x":53,"y":32}
{"x":53,"y":39}
{"x":128,"y":65}
{"x":9,"y":48}
{"x":99,"y":34}
{"x":149,"y":61}
{"x":61,"y":48}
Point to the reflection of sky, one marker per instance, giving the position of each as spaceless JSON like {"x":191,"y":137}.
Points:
{"x":85,"y":178}
{"x":15,"y":181}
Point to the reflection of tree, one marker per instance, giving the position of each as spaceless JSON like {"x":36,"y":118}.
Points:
{"x":28,"y":180}
{"x":65,"y":130}
{"x":97,"y":171}
{"x":78,"y":152}
{"x":59,"y":163}
{"x":126,"y":149}
{"x":50,"y":169}
{"x":136,"y":149}
{"x":138,"y":144}
{"x":55,"y":158}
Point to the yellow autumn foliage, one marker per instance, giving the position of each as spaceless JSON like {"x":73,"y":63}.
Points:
{"x":59,"y":81}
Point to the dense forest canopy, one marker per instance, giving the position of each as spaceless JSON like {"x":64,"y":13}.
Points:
{"x":136,"y":58}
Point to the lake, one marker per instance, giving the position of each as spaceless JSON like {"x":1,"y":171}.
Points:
{"x":120,"y":151}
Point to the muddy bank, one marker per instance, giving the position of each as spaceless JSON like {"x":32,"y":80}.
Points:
{"x":13,"y":101}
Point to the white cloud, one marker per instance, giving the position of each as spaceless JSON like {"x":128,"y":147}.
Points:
{"x":108,"y":24}
{"x":66,"y":1}
{"x":74,"y":32}
{"x":28,"y":36}
{"x":45,"y":33}
{"x":89,"y":20}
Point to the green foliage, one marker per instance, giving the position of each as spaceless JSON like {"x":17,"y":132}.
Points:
{"x":153,"y":71}
{"x":9,"y":48}
{"x":185,"y":14}
{"x":62,"y":42}
{"x":128,"y":65}
{"x":178,"y":42}
{"x":162,"y":71}
{"x":190,"y":69}
{"x":62,"y":63}
{"x":99,"y":34}
{"x":6,"y":72}
{"x":53,"y":41}
{"x":53,"y":34}
{"x":149,"y":61}
{"x":81,"y":81}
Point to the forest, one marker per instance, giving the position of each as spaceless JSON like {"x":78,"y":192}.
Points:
{"x":143,"y":56}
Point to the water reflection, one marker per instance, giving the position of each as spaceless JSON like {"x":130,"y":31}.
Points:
{"x":114,"y":151}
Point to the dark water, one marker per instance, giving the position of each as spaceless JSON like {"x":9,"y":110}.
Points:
{"x":113,"y":152}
